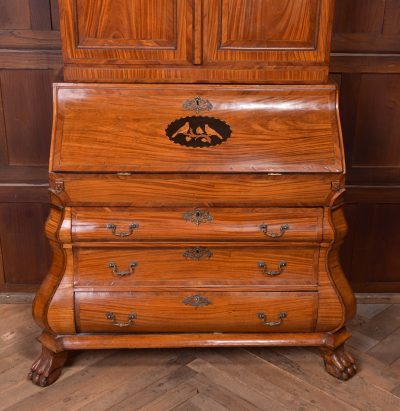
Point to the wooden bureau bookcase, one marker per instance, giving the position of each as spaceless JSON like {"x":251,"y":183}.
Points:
{"x":197,"y":174}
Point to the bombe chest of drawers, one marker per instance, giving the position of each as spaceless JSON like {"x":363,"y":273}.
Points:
{"x":196,"y":180}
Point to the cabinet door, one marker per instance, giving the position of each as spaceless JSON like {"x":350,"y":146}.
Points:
{"x":270,"y":32}
{"x":122,"y":32}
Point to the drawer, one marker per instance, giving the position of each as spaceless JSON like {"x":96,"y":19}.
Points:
{"x":217,"y":264}
{"x":239,"y":224}
{"x":193,"y":312}
{"x":174,"y":128}
{"x":194,"y":190}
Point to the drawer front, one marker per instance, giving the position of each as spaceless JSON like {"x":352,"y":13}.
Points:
{"x":193,"y":312}
{"x":240,"y":224}
{"x":192,"y":265}
{"x":172,"y":128}
{"x":194,"y":190}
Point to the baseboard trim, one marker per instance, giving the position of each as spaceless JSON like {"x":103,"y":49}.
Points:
{"x":362,"y":298}
{"x":16,"y":298}
{"x":378,"y":298}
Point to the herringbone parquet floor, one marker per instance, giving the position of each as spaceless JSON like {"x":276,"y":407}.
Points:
{"x":206,"y":379}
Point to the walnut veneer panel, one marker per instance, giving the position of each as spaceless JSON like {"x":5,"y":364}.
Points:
{"x":238,"y":224}
{"x":269,"y":31}
{"x":212,"y":265}
{"x":91,"y":119}
{"x":194,"y":190}
{"x":126,"y":31}
{"x":216,"y":312}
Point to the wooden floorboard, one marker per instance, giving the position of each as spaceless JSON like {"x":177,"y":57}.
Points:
{"x":278,"y":379}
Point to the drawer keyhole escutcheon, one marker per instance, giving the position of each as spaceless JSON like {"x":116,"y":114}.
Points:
{"x":131,"y":318}
{"x":264,"y":269}
{"x":198,"y":253}
{"x":197,"y":301}
{"x":122,"y":234}
{"x":197,"y":216}
{"x":198,"y":104}
{"x":263,"y":317}
{"x":284,"y":228}
{"x":114,"y":268}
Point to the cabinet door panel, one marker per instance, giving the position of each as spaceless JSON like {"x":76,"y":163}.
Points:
{"x":126,"y":31}
{"x":276,"y":31}
{"x":275,"y":25}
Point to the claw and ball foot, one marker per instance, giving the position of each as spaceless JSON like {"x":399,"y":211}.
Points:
{"x":339,"y":363}
{"x":47,"y":368}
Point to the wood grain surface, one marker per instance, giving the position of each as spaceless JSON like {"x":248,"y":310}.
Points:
{"x":194,"y":190}
{"x":196,"y":41}
{"x":304,"y":137}
{"x":237,"y":224}
{"x":167,"y":312}
{"x":222,"y":265}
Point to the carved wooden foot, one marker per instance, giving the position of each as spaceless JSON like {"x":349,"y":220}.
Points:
{"x":339,"y":363}
{"x":47,"y":368}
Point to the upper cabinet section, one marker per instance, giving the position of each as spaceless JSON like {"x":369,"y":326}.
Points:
{"x":192,"y":41}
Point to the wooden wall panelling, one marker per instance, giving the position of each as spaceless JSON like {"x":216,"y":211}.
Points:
{"x":376,"y":262}
{"x":366,"y":26}
{"x":22,"y":91}
{"x":370,"y":106}
{"x":29,"y":62}
{"x":24,"y":249}
{"x":366,"y":61}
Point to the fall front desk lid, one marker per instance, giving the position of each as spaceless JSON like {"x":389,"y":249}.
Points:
{"x":191,"y":128}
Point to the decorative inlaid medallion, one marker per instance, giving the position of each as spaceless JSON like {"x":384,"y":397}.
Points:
{"x":198,"y":131}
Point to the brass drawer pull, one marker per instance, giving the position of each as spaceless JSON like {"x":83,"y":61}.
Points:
{"x":281,"y":268}
{"x":197,"y":301}
{"x":263,"y":317}
{"x":123,"y":234}
{"x":197,"y":216}
{"x":284,"y":228}
{"x":198,"y":253}
{"x":114,"y":268}
{"x":131,"y":317}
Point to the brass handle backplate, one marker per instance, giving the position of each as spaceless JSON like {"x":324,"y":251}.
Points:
{"x":263,"y":317}
{"x":197,"y":301}
{"x":284,"y":228}
{"x":122,"y":234}
{"x":114,"y":268}
{"x":131,"y":317}
{"x":281,"y":268}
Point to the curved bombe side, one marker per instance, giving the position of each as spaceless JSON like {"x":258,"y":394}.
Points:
{"x":56,"y":270}
{"x":339,"y":225}
{"x":338,"y":362}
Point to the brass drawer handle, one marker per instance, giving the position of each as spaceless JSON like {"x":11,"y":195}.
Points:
{"x":131,"y":317}
{"x":284,"y":228}
{"x":197,"y":216}
{"x":114,"y":268}
{"x":197,"y":301}
{"x":198,"y":253}
{"x":281,"y":268}
{"x":122,"y":234}
{"x":263,"y":317}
